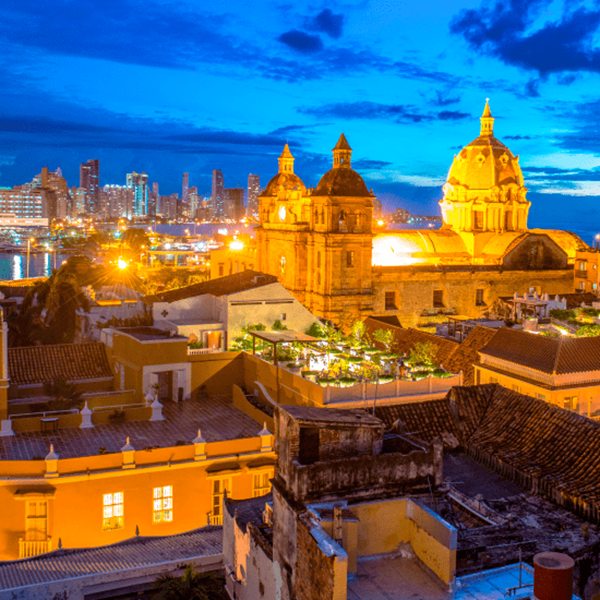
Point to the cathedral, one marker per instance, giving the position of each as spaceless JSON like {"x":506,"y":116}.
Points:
{"x":322,"y":245}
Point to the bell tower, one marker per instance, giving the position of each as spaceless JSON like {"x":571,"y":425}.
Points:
{"x":339,"y":257}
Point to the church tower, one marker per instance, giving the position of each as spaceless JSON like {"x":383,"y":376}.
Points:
{"x":339,"y":256}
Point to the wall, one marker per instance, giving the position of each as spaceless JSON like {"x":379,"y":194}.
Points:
{"x":385,"y":524}
{"x":240,"y":402}
{"x":216,"y":373}
{"x":415,"y":286}
{"x":75,"y":512}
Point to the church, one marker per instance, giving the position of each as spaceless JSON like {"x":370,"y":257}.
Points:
{"x":323,"y":246}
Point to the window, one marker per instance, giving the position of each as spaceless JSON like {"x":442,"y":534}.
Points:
{"x":540,"y":396}
{"x":582,"y":266}
{"x":220,"y":486}
{"x":318,"y":260}
{"x":493,"y":380}
{"x":582,"y":285}
{"x":36,"y":521}
{"x":594,"y":286}
{"x":570,"y":403}
{"x":163,"y":504}
{"x":477,"y":219}
{"x":113,"y":511}
{"x":516,"y":388}
{"x":262,"y":485}
{"x":221,"y":269}
{"x":479,"y":298}
{"x":438,"y":298}
{"x":390,"y":301}
{"x":350,"y":258}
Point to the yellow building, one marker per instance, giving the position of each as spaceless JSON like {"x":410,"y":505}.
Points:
{"x":562,"y":371}
{"x":153,"y":455}
{"x":587,"y":270}
{"x":321,"y":244}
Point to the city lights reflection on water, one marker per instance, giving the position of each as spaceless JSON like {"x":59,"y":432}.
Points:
{"x":14,"y":266}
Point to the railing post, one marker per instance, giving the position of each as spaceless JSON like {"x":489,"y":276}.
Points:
{"x":128,"y":456}
{"x":199,"y":447}
{"x":6,"y":428}
{"x":266,"y":439}
{"x":51,"y":463}
{"x":86,"y":417}
{"x":156,"y":411}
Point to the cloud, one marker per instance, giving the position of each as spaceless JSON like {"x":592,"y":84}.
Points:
{"x":444,"y":98}
{"x":370,"y":164}
{"x":563,"y":175}
{"x":518,"y":137}
{"x":401,"y":113}
{"x":327,"y":22}
{"x":301,"y":42}
{"x":508,"y":30}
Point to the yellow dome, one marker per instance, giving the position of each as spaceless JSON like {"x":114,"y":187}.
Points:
{"x":485,"y":190}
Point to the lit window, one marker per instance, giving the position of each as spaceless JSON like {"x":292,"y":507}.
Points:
{"x":350,"y":258}
{"x":570,"y":403}
{"x":163,"y":504}
{"x":113,"y":511}
{"x":262,"y":485}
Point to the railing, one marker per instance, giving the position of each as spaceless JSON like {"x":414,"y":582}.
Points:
{"x":196,"y":351}
{"x":42,"y":415}
{"x":119,"y":407}
{"x":33,"y":548}
{"x":215,"y":519}
{"x":563,"y":324}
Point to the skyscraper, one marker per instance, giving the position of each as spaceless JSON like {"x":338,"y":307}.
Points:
{"x":253,"y":192}
{"x":186,"y":188}
{"x":89,"y":178}
{"x":234,"y":203}
{"x":218,"y":196}
{"x":139,"y":183}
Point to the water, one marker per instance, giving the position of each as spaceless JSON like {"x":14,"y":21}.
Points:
{"x":14,"y":266}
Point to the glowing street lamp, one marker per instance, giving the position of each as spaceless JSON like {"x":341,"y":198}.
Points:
{"x":236,"y":245}
{"x":121,"y":264}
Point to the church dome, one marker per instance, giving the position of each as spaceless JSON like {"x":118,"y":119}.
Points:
{"x":485,"y":162}
{"x":286,"y":177}
{"x":485,"y":190}
{"x":289,"y":181}
{"x":342,"y":180}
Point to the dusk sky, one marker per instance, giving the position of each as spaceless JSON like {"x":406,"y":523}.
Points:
{"x":167,"y":87}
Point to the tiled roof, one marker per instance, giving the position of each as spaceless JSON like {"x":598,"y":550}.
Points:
{"x":466,"y":354}
{"x":39,"y":364}
{"x":352,"y":417}
{"x":557,"y":446}
{"x":249,"y":510}
{"x":129,"y":554}
{"x":406,"y":338}
{"x":386,"y":319}
{"x":217,"y":417}
{"x":230,"y":284}
{"x":558,"y":356}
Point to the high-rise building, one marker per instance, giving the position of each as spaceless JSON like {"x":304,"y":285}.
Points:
{"x":234,"y":203}
{"x":253,"y":192}
{"x":195,"y":201}
{"x":139,"y":183}
{"x":118,"y":201}
{"x":217,"y":198}
{"x":23,"y":202}
{"x":89,"y":178}
{"x":156,"y":198}
{"x":58,"y":200}
{"x":185,"y":188}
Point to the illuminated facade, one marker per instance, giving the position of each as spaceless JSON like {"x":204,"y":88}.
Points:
{"x":321,"y":245}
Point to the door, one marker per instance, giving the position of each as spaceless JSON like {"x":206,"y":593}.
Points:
{"x":165,"y":380}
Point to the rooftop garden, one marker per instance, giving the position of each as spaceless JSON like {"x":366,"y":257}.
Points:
{"x":347,"y":360}
{"x":586,"y":321}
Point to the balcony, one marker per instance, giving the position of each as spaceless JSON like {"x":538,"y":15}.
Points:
{"x":215,"y":519}
{"x":28,"y":549}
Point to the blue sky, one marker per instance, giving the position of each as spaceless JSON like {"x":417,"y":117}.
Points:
{"x":176,"y":86}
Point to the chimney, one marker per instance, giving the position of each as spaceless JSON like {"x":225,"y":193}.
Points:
{"x":553,"y":576}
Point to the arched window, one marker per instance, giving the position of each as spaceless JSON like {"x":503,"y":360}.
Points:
{"x":343,"y":221}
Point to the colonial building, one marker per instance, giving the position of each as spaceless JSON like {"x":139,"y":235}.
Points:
{"x":321,"y":245}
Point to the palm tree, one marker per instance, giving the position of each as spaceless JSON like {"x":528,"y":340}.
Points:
{"x":64,"y":395}
{"x":191,"y":586}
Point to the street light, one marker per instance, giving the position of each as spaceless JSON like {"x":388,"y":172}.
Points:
{"x":28,"y":250}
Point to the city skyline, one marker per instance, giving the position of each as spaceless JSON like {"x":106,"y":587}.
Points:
{"x":405,"y":86}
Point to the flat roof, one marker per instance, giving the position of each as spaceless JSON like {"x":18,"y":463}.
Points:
{"x":144,"y":334}
{"x":217,"y":417}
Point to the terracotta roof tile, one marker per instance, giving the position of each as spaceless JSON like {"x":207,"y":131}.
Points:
{"x":466,"y":354}
{"x":548,"y":355}
{"x":39,"y":364}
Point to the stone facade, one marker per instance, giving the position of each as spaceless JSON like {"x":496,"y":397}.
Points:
{"x":321,"y":245}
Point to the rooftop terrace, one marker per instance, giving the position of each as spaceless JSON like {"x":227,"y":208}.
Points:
{"x":217,"y":417}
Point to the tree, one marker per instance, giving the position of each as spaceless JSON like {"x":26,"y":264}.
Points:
{"x":191,"y":586}
{"x":591,"y":330}
{"x":423,"y":353}
{"x":385,"y":337}
{"x":64,"y":395}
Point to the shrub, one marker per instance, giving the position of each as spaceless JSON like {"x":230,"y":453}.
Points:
{"x":278,"y":325}
{"x":423,"y":353}
{"x":315,"y":330}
